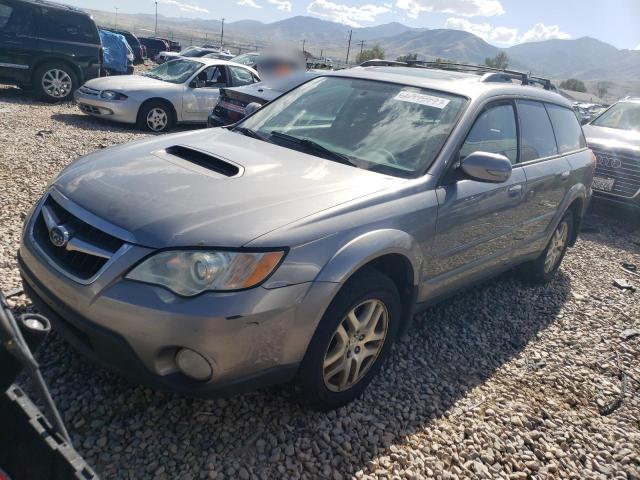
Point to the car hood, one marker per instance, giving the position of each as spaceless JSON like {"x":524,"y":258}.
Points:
{"x":603,"y":137}
{"x":127,"y":83}
{"x":166,"y":201}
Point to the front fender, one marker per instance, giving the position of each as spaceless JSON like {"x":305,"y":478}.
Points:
{"x":367,"y":247}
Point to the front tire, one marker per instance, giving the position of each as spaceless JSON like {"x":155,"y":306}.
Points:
{"x":351,"y":342}
{"x":55,"y":82}
{"x":542,"y":269}
{"x":155,"y":117}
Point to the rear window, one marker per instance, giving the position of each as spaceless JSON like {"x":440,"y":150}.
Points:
{"x":567,"y":129}
{"x":68,"y":26}
{"x":536,"y":134}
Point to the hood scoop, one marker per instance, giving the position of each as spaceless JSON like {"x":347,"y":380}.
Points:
{"x":204,"y":160}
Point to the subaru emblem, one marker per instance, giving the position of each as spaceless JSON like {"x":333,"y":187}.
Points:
{"x":59,"y":236}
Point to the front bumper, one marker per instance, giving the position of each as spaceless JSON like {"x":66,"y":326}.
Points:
{"x":125,"y":111}
{"x":250,"y":338}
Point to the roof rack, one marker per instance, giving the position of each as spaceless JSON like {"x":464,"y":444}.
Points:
{"x":489,"y":74}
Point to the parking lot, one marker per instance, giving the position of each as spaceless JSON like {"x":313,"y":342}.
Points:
{"x":503,"y":381}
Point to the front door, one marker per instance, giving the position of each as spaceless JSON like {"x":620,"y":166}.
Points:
{"x":202,"y":93}
{"x":476,"y":220}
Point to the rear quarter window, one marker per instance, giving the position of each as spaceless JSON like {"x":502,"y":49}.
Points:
{"x":5,"y":14}
{"x":567,"y":129}
{"x":536,"y":134}
{"x":68,"y":26}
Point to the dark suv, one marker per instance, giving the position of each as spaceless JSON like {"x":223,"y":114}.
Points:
{"x":47,"y":47}
{"x":138,"y":51}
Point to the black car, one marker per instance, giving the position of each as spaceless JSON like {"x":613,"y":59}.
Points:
{"x":154,"y":46}
{"x":134,"y":43}
{"x":174,"y":45}
{"x":233,"y":101}
{"x":47,"y":47}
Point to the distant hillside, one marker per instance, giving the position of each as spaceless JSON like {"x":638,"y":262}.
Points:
{"x":585,"y":58}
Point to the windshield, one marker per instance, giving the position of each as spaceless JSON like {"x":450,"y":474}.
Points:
{"x":184,"y":51}
{"x":175,"y":71}
{"x":623,"y":116}
{"x":245,"y":58}
{"x":383,"y":127}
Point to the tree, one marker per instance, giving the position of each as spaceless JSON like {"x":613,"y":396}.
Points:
{"x":373,"y":52}
{"x":443,"y":60}
{"x":602,"y":88}
{"x":500,"y":61}
{"x":573,"y":84}
{"x":407,"y":58}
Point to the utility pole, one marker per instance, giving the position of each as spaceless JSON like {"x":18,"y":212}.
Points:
{"x":348,"y":47}
{"x":303,"y":42}
{"x":116,"y":24}
{"x":222,"y":34}
{"x":361,"y":43}
{"x":156,"y":17}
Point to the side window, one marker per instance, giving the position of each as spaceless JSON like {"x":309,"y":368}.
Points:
{"x":536,"y":133}
{"x":567,"y":129}
{"x":5,"y":14}
{"x":240,"y":76}
{"x":68,"y":26}
{"x":494,"y":132}
{"x":213,"y":77}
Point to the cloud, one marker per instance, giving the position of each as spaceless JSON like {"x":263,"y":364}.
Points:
{"x":499,"y":35}
{"x":283,"y":5}
{"x":541,"y":32}
{"x":465,"y":8}
{"x":185,"y":7}
{"x":637,"y":48}
{"x":346,"y":14}
{"x":248,"y":3}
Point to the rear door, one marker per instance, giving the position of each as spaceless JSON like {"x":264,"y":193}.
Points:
{"x":547,"y":171}
{"x":19,"y":42}
{"x":476,"y":220}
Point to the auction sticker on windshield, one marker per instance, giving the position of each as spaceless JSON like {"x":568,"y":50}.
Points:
{"x":422,"y":99}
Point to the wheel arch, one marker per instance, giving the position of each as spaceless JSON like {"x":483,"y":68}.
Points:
{"x":43,"y":60}
{"x":576,"y":201}
{"x":163,"y":100}
{"x":392,"y":252}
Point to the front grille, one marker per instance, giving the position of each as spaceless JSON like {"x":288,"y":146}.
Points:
{"x":89,"y":109}
{"x":77,"y":263}
{"x":622,"y":167}
{"x":89,"y":91}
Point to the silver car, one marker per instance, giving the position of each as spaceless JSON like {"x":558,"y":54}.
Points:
{"x":297,"y":245}
{"x":178,"y":91}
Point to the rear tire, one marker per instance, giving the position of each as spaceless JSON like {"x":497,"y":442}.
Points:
{"x":542,"y":269}
{"x":55,"y":82}
{"x":155,"y":116}
{"x":351,"y":343}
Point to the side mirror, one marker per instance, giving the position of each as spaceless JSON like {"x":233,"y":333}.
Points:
{"x":252,"y":107}
{"x":487,"y":167}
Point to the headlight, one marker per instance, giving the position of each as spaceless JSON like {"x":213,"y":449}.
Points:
{"x":111,"y":95}
{"x":194,"y":271}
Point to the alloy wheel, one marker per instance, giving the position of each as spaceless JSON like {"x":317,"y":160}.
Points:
{"x":157,"y":119}
{"x":556,"y":246}
{"x":56,"y":83}
{"x":355,"y":345}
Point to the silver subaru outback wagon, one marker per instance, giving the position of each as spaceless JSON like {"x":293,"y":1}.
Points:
{"x":296,"y":245}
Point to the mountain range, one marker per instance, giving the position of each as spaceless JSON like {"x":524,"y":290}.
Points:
{"x":585,"y":58}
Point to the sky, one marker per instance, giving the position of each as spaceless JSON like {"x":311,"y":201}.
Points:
{"x":499,"y":22}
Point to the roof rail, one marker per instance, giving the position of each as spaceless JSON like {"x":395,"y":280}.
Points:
{"x":490,"y":74}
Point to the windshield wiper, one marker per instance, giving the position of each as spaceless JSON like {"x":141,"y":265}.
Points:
{"x":316,"y":147}
{"x":251,"y":133}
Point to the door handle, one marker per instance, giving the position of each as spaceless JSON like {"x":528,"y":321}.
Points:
{"x":515,"y":190}
{"x":564,"y":176}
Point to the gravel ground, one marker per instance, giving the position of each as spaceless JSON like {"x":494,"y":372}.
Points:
{"x":503,"y":381}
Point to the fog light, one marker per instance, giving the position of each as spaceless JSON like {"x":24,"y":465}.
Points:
{"x":193,"y":365}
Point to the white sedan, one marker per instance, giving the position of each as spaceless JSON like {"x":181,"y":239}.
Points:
{"x":178,"y":91}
